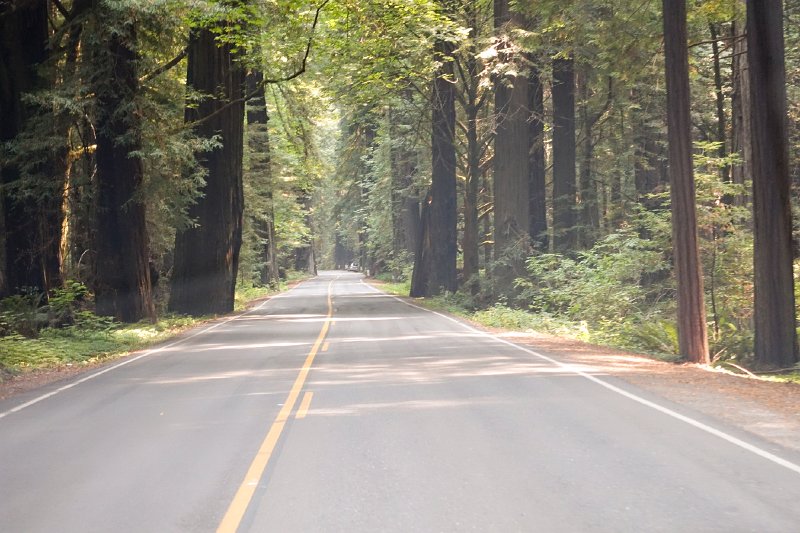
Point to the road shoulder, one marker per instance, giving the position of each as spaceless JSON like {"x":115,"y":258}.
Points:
{"x":768,"y":409}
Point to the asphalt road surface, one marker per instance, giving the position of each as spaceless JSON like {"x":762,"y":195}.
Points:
{"x":337,"y":408}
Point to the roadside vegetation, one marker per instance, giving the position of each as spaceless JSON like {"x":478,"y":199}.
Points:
{"x":64,"y":331}
{"x":656,"y":339}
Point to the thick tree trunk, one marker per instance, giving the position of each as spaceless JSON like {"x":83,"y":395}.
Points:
{"x":470,"y":243}
{"x":537,"y":206}
{"x":443,"y":209}
{"x":587,"y":191}
{"x":261,"y":177}
{"x":304,"y":259}
{"x":423,"y":254}
{"x":26,"y":241}
{"x":122,"y":277}
{"x":564,"y":175}
{"x":207,"y":255}
{"x":438,"y":260}
{"x":775,"y":322}
{"x":692,"y":336}
{"x":512,"y":145}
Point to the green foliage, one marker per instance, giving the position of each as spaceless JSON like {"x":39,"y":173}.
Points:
{"x":87,"y":338}
{"x":22,"y":313}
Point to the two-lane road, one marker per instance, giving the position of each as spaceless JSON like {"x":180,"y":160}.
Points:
{"x":337,"y":408}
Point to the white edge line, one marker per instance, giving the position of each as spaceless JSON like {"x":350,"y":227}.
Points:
{"x":794,"y":467}
{"x":148,"y":353}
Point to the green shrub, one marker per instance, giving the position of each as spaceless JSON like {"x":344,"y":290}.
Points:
{"x":23,"y":313}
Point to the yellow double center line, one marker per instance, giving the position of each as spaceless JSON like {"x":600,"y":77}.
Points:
{"x":235,"y":513}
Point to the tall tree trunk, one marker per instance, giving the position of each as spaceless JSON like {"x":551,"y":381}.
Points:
{"x":741,"y":142}
{"x":23,"y":47}
{"x":692,"y":336}
{"x":511,"y":161}
{"x":122,"y":277}
{"x":470,"y":244}
{"x":719,"y":100}
{"x":261,"y":176}
{"x":305,"y":260}
{"x":405,"y":200}
{"x":207,"y":255}
{"x":775,"y":324}
{"x":443,"y":209}
{"x":488,"y":216}
{"x":587,"y":191}
{"x":537,"y":189}
{"x":564,"y":176}
{"x":439,"y":263}
{"x":422,"y":255}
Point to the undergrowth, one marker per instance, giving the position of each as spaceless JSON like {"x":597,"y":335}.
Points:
{"x":61,"y":331}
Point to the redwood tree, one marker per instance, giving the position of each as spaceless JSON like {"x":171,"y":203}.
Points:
{"x":207,"y":254}
{"x":775,"y":326}
{"x":692,"y":336}
{"x":537,"y":190}
{"x":122,"y":277}
{"x":511,"y":157}
{"x":564,"y":174}
{"x":28,"y":257}
{"x":435,"y":260}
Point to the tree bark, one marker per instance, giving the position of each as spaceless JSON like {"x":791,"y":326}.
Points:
{"x":122,"y":277}
{"x":443,"y":213}
{"x":537,"y":189}
{"x":261,"y":176}
{"x":435,"y":262}
{"x":587,"y":192}
{"x":564,"y":175}
{"x":775,"y":324}
{"x":692,"y":336}
{"x":512,"y":145}
{"x":26,"y":239}
{"x":207,"y":255}
{"x":741,"y":141}
{"x":422,"y":255}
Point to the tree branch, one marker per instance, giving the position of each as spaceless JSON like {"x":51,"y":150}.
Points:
{"x":64,"y":12}
{"x":165,"y":67}
{"x":260,"y":86}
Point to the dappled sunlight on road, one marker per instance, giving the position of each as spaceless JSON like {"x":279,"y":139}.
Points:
{"x":432,"y":335}
{"x":435,"y":369}
{"x":305,"y":319}
{"x":225,"y":346}
{"x":408,"y":405}
{"x":202,"y":378}
{"x":287,"y":317}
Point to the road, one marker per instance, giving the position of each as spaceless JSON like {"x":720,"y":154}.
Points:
{"x":335,"y":407}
